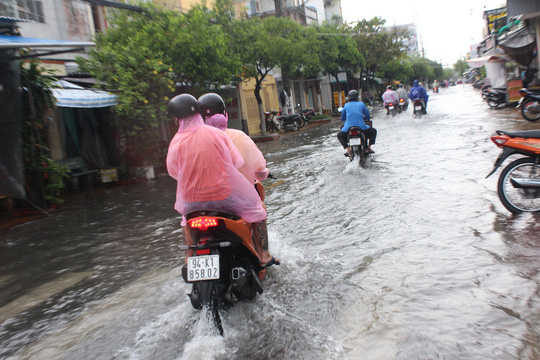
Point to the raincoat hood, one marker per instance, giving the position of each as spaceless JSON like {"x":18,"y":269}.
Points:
{"x":218,"y":121}
{"x":415,"y":83}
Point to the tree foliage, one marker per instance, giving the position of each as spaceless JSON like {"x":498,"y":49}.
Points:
{"x":142,"y":56}
{"x":338,"y":51}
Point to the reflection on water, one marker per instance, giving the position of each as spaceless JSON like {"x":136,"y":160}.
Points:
{"x":411,"y":257}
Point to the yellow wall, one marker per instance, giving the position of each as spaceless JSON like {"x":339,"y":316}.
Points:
{"x":250,"y":109}
{"x":181,"y":5}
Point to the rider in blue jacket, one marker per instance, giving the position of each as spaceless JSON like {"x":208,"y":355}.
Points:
{"x":354,"y":112}
{"x":418,"y":92}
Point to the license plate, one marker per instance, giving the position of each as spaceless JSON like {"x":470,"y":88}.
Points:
{"x":417,"y":108}
{"x":354,"y":141}
{"x":203,"y":268}
{"x":391,"y":107}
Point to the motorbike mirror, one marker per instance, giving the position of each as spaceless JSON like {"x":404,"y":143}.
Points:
{"x":340,"y":109}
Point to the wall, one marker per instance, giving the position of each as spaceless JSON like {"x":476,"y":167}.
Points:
{"x":250,"y":109}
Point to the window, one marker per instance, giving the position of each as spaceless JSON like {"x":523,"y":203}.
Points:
{"x":31,"y":10}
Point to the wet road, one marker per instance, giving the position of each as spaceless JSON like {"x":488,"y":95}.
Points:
{"x":412,"y":257}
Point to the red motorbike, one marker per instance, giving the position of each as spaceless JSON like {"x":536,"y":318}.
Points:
{"x":519,"y":183}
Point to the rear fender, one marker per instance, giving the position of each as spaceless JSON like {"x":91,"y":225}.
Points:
{"x":505,"y":154}
{"x":202,"y":292}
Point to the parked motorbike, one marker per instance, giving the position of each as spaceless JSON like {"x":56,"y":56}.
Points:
{"x":529,"y":104}
{"x":308,"y":114}
{"x":391,"y":109}
{"x":519,"y":183}
{"x":269,"y":120}
{"x":225,"y":267}
{"x":402,"y":105}
{"x":496,"y":97}
{"x":418,"y":108}
{"x":357,"y":144}
{"x":292,"y":122}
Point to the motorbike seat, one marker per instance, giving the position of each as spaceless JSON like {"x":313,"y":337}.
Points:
{"x":534,"y":134}
{"x":288,"y":117}
{"x":530,"y":93}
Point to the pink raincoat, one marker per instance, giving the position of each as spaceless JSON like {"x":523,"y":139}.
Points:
{"x":204,"y":162}
{"x":254,"y":167}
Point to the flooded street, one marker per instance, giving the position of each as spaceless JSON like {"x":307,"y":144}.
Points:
{"x":411,"y":257}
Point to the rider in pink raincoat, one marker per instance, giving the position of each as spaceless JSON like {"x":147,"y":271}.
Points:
{"x":214,"y":111}
{"x":205,"y":163}
{"x":254,"y":167}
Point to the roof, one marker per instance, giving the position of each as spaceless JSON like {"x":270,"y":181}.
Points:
{"x":17,"y":42}
{"x":74,"y":96}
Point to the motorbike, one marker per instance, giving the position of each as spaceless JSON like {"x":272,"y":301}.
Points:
{"x":529,"y":104}
{"x":391,"y":109}
{"x":269,"y":120}
{"x":518,"y":186}
{"x":225,"y":267}
{"x":292,"y":122}
{"x":308,"y":114}
{"x":402,"y":105}
{"x":357,"y":144}
{"x":496,"y":97}
{"x":435,"y":88}
{"x":418,"y":108}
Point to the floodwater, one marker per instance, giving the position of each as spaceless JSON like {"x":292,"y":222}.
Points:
{"x":411,"y":257}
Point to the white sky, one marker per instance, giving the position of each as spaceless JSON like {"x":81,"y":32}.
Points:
{"x":447,"y":29}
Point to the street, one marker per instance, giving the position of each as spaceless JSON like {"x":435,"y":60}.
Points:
{"x":411,"y":257}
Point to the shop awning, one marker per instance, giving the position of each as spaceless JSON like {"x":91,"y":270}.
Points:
{"x":74,"y":96}
{"x":492,"y":56}
{"x":520,"y":45}
{"x":17,"y":42}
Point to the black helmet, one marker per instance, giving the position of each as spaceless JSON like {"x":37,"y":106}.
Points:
{"x":211,"y":104}
{"x":400,"y":86}
{"x":389,"y":87}
{"x":353,"y":95}
{"x":182,"y":106}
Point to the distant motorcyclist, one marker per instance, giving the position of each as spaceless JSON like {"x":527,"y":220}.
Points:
{"x":418,"y":92}
{"x":354,"y":113}
{"x":214,"y":112}
{"x":402,"y":94}
{"x":389,"y":97}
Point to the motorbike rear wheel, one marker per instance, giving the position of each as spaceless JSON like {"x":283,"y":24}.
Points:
{"x":494,"y":102}
{"x":527,"y":110}
{"x":516,"y":199}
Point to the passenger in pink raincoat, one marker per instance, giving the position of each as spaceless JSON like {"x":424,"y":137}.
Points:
{"x":205,"y":162}
{"x":214,"y":111}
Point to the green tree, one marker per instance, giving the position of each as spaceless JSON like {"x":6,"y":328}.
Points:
{"x":396,"y":70}
{"x":378,"y":44}
{"x":421,"y":69}
{"x":44,"y":178}
{"x":264,"y":44}
{"x":338,"y":51}
{"x":142,"y":56}
{"x":461,"y":66}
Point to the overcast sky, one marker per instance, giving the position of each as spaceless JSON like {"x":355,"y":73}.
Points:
{"x":445,"y":28}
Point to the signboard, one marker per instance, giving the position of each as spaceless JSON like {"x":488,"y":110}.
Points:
{"x":495,"y":19}
{"x":339,"y":96}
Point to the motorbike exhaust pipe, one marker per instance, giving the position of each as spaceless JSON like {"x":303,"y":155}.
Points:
{"x":525,"y":183}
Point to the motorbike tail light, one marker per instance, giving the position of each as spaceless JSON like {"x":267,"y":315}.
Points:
{"x":499,"y":141}
{"x":354,"y":132}
{"x":401,"y":100}
{"x":203,"y":223}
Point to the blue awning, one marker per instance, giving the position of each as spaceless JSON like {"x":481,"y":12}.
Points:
{"x":17,"y":42}
{"x":74,"y":96}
